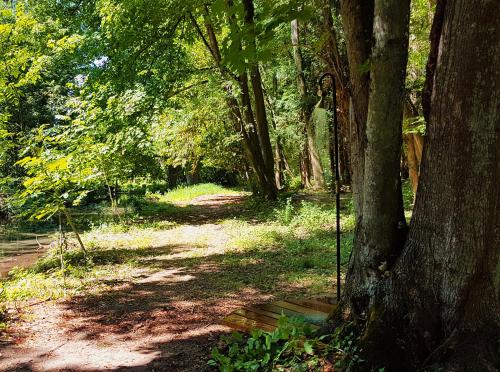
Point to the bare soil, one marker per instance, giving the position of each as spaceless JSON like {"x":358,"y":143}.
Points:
{"x":162,"y":319}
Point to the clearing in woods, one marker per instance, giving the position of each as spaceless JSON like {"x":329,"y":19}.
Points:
{"x":163,"y":310}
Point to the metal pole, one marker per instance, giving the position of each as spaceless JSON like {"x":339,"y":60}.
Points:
{"x":336,"y":169}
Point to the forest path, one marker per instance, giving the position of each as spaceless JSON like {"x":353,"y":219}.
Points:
{"x":164,"y":318}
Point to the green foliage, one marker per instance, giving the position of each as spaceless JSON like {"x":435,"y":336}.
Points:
{"x":292,"y":345}
{"x":344,"y":346}
{"x":408,"y":195}
{"x":420,"y":24}
{"x":414,"y":125}
{"x":285,"y":214}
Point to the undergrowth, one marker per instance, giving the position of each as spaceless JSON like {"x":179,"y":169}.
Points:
{"x":293,"y":346}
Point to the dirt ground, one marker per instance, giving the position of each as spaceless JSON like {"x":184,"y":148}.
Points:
{"x":166,"y":319}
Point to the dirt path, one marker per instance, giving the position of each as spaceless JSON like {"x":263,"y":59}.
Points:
{"x":165,"y":318}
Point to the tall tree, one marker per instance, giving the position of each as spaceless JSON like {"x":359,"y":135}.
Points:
{"x":436,"y":302}
{"x":442,"y":298}
{"x":336,"y":62}
{"x":258,"y":92}
{"x":381,"y":226}
{"x":248,"y":115}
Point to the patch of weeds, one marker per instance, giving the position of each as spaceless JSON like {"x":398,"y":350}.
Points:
{"x":291,"y":346}
{"x":24,"y":285}
{"x":52,"y":262}
{"x":155,"y":207}
{"x":297,"y":243}
{"x":156,"y":225}
{"x":131,"y":225}
{"x":257,"y":238}
{"x":311,"y":217}
{"x":4,"y":316}
{"x":284,"y":213}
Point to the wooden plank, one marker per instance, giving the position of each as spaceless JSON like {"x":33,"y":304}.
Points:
{"x":299,"y":309}
{"x":279,"y":310}
{"x":256,"y":316}
{"x":265,"y":316}
{"x":259,"y":310}
{"x":259,"y":318}
{"x":315,"y":305}
{"x":242,"y":323}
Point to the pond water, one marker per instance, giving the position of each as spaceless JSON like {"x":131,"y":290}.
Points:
{"x":21,"y":250}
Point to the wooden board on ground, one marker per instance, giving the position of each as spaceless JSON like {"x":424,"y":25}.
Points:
{"x":265,"y":316}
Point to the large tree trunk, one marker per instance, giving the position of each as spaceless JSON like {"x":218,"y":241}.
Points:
{"x":440,"y":306}
{"x":381,"y":227}
{"x":305,"y":110}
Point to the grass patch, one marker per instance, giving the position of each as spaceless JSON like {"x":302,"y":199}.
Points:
{"x":294,"y":240}
{"x":188,"y":193}
{"x":47,"y":280}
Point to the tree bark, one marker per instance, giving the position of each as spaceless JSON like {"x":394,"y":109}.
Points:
{"x":357,"y":21}
{"x":440,"y":305}
{"x":413,"y":164}
{"x":279,"y":153}
{"x":69,"y":219}
{"x":414,"y":145}
{"x":381,"y":228}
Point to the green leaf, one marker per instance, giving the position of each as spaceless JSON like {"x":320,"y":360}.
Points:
{"x":308,"y":348}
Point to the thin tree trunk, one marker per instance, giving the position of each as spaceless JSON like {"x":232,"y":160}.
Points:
{"x":414,"y":146}
{"x":243,"y":123}
{"x":75,"y":231}
{"x":305,"y":165}
{"x":258,"y":94}
{"x":305,"y":113}
{"x":338,"y":67}
{"x":108,"y":186}
{"x":279,"y":155}
{"x":413,"y":164}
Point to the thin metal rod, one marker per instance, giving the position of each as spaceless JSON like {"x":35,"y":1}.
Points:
{"x":336,"y":170}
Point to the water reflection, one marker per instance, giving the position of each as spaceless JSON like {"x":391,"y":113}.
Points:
{"x":21,"y":249}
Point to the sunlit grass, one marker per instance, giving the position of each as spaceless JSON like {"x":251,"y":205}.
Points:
{"x":188,"y":193}
{"x":281,"y":247}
